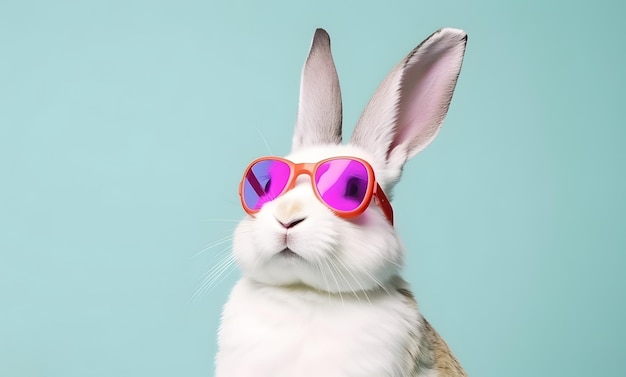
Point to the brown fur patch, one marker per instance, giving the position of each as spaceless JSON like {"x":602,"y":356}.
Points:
{"x":426,"y":350}
{"x":445,"y":362}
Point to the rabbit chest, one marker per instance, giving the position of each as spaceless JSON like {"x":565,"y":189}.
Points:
{"x":286,"y":332}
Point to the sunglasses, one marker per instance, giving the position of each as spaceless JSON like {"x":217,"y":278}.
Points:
{"x":346,"y":185}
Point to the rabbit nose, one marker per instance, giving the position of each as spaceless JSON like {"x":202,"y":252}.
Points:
{"x":291,"y":223}
{"x":290,"y":212}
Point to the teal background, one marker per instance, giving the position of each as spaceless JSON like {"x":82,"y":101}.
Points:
{"x":125,"y":126}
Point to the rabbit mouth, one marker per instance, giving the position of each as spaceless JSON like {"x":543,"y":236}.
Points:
{"x":288,"y":253}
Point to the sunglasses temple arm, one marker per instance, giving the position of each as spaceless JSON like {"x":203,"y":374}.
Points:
{"x":383,"y":203}
{"x":256,"y":185}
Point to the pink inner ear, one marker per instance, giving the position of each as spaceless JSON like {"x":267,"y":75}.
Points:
{"x":426,"y":89}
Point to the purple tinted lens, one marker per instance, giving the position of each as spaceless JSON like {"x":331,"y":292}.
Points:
{"x":264,"y":181}
{"x":342,"y":183}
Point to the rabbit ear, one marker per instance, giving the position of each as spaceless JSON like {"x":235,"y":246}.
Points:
{"x":409,"y":106}
{"x":319,"y":107}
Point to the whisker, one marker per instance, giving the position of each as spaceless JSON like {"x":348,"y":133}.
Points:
{"x":256,"y":261}
{"x":336,"y":282}
{"x":378,"y":283}
{"x":215,"y":272}
{"x":221,"y":220}
{"x":224,"y":275}
{"x":344,"y":279}
{"x":392,"y":262}
{"x":220,"y":241}
{"x":355,"y":279}
{"x":225,"y":267}
{"x":208,"y":282}
{"x":319,"y":267}
{"x":222,"y":256}
{"x":264,"y":141}
{"x":216,"y":243}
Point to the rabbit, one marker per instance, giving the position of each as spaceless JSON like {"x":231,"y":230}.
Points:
{"x":320,"y":293}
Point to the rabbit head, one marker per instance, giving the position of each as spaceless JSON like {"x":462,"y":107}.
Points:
{"x":295,"y":239}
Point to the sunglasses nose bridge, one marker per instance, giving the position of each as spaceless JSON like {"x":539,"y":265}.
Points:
{"x":300,"y":169}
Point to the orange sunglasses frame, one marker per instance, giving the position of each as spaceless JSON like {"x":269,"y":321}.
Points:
{"x":374,"y":191}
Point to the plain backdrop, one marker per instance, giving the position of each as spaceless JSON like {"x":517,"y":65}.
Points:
{"x":125,"y":127}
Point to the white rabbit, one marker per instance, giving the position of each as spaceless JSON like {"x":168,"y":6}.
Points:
{"x":321,"y":294}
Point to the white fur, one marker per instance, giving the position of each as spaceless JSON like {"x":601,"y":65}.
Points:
{"x":327,"y":313}
{"x":335,"y":307}
{"x":273,"y":331}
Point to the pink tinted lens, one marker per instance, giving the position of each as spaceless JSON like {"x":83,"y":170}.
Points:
{"x":264,"y":182}
{"x":342,"y":183}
